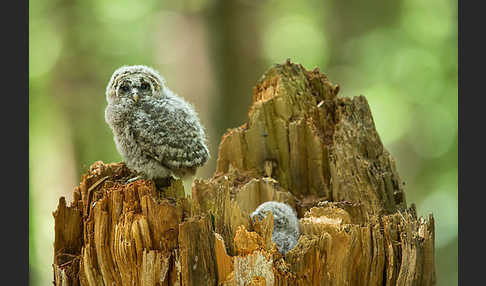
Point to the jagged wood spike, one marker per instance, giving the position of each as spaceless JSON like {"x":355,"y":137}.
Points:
{"x":302,"y":145}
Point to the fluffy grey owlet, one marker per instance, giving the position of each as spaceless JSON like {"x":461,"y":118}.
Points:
{"x":285,"y":224}
{"x":157,"y":133}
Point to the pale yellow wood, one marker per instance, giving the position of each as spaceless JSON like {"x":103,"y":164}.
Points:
{"x":302,"y":145}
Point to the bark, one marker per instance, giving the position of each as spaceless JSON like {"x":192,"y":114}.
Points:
{"x":302,"y":145}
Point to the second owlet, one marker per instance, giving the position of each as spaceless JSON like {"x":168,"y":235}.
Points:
{"x":157,"y":133}
{"x":285,"y":224}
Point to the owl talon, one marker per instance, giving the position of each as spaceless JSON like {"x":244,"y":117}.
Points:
{"x":131,"y":180}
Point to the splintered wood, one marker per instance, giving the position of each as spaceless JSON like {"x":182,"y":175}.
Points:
{"x":302,"y":145}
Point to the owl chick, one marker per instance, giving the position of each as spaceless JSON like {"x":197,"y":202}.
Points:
{"x":285,"y":224}
{"x":157,"y":133}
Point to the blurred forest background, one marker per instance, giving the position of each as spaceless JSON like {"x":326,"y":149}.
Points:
{"x":402,"y":55}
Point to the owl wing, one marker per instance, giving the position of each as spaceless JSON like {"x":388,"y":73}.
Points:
{"x":173,"y":136}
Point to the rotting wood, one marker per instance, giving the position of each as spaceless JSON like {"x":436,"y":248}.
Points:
{"x":302,"y":145}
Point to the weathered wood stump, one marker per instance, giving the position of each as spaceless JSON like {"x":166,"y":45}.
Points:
{"x":302,"y":145}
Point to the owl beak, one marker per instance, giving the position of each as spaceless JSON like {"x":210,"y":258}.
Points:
{"x":135,"y":97}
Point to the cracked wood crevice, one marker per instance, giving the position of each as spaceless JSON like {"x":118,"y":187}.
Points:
{"x":302,"y":145}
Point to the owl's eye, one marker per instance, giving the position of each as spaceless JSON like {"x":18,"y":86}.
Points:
{"x":125,"y":87}
{"x":144,"y":86}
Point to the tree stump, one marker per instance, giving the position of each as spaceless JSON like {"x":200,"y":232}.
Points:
{"x":302,"y":145}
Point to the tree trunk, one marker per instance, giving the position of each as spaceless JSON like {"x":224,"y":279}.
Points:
{"x":302,"y":145}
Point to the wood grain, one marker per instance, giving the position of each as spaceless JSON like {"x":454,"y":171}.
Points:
{"x":303,"y":145}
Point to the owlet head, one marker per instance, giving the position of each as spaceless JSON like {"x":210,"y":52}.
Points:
{"x":133,"y":84}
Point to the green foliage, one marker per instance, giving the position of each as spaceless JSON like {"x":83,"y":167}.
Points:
{"x":402,"y":55}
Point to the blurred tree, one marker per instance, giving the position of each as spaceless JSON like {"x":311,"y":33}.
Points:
{"x":235,"y":54}
{"x":402,"y":55}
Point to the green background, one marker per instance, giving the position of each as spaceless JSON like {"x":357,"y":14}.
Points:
{"x":402,"y":55}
